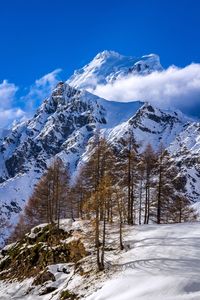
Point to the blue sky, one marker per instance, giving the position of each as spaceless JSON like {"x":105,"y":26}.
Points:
{"x":40,"y":37}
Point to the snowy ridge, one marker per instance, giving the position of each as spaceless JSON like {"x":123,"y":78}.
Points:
{"x":151,"y":125}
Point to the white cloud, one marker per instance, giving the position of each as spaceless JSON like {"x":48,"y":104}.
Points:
{"x":49,"y":79}
{"x":173,"y":88}
{"x":7,"y":93}
{"x":7,"y":97}
{"x":12,"y":109}
{"x":41,"y":89}
{"x":8,"y":116}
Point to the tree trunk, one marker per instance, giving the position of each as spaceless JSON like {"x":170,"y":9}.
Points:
{"x":129,"y":189}
{"x":120,"y":235}
{"x":140,"y":204}
{"x":146,"y":204}
{"x":97,"y":237}
{"x":159,"y":197}
{"x":103,"y":242}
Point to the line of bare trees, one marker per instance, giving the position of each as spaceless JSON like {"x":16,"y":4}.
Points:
{"x":116,"y":185}
{"x":49,"y":201}
{"x":125,"y":187}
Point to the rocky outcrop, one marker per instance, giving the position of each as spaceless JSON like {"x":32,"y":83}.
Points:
{"x":42,"y":247}
{"x":43,"y":277}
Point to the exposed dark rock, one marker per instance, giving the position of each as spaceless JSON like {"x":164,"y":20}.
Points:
{"x":46,"y":290}
{"x":68,"y":295}
{"x":15,"y":164}
{"x":43,"y":277}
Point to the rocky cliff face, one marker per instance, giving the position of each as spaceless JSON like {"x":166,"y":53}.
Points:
{"x":32,"y":143}
{"x":185,"y":150}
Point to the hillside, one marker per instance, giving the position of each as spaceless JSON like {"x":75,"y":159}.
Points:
{"x":160,"y":262}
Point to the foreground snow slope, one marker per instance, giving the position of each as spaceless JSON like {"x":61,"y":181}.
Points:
{"x":162,"y":264}
{"x":159,"y":263}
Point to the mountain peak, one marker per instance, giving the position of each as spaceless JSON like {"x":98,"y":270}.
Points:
{"x":106,"y":54}
{"x":109,"y":66}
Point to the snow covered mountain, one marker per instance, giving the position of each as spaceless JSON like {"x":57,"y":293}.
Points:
{"x":64,"y":123}
{"x":61,"y":127}
{"x":150,"y":125}
{"x":108,"y":66}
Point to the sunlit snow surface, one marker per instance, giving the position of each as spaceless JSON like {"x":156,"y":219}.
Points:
{"x":160,"y":263}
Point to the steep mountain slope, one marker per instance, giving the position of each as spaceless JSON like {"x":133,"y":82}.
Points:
{"x":150,"y":125}
{"x":108,"y":66}
{"x":186,"y":151}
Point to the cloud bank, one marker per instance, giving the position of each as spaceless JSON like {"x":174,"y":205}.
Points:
{"x":175,"y":87}
{"x":14,"y":107}
{"x":8,"y":116}
{"x":41,"y":88}
{"x":7,"y":93}
{"x":7,"y":97}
